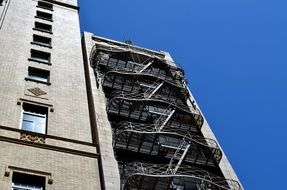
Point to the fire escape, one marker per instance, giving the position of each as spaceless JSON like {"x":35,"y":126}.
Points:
{"x":157,"y":136}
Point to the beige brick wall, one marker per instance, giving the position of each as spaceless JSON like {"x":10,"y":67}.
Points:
{"x":69,"y":172}
{"x":66,"y":95}
{"x":67,"y":92}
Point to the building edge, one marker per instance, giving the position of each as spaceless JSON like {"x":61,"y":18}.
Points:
{"x":109,"y":173}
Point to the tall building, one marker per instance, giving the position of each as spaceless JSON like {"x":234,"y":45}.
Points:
{"x":46,"y":140}
{"x":92,"y":113}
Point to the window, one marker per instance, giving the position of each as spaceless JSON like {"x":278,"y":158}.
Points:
{"x":38,"y":75}
{"x":34,"y":118}
{"x":43,"y":27}
{"x":45,"y":5}
{"x":1,"y":1}
{"x":40,"y":56}
{"x":41,"y":40}
{"x":23,"y":181}
{"x":43,"y":15}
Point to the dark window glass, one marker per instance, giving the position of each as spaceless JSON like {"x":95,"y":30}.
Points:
{"x":41,"y":40}
{"x":38,"y":74}
{"x":45,"y":5}
{"x":34,"y":118}
{"x":40,"y":56}
{"x":22,"y":181}
{"x":44,"y":15}
{"x":43,"y":27}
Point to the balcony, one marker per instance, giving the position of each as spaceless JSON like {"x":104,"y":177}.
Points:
{"x":161,"y":177}
{"x":165,"y":142}
{"x":146,"y":108}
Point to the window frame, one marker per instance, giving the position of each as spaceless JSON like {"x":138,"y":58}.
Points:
{"x":43,"y":5}
{"x":48,"y":45}
{"x":38,"y":28}
{"x":43,"y":17}
{"x":33,"y":70}
{"x":18,"y":184}
{"x":38,"y":58}
{"x":34,"y":115}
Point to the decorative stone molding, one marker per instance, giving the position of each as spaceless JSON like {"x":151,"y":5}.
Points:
{"x":37,"y":91}
{"x":50,"y":179}
{"x":32,"y":138}
{"x":7,"y":171}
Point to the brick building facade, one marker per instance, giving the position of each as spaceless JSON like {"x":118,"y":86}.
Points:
{"x":62,"y":113}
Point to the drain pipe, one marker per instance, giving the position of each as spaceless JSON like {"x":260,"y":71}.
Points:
{"x":94,"y":127}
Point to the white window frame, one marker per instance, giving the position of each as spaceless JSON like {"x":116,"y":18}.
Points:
{"x":36,"y":115}
{"x":25,"y":187}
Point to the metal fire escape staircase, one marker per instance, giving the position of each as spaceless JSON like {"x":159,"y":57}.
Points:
{"x":179,"y":155}
{"x":156,"y":177}
{"x":163,"y":119}
{"x":164,"y":137}
{"x":117,"y":73}
{"x":180,"y":152}
{"x":145,"y":67}
{"x":152,"y":89}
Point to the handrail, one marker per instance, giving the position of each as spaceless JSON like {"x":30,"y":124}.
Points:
{"x":126,"y":126}
{"x":125,"y":71}
{"x":189,"y":172}
{"x":168,"y":135}
{"x":93,"y":55}
{"x":96,"y":49}
{"x":140,"y":97}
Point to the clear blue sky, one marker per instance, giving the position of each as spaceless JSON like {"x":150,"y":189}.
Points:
{"x":234,"y":54}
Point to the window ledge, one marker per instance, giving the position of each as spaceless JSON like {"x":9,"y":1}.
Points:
{"x":38,"y":81}
{"x":33,"y":133}
{"x":45,"y":8}
{"x":40,"y":44}
{"x":51,"y":20}
{"x":36,"y":60}
{"x":41,"y":30}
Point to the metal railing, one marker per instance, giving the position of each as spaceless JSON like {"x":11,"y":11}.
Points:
{"x":126,"y":126}
{"x":174,"y":81}
{"x":97,"y":51}
{"x":133,"y":172}
{"x":140,"y":97}
{"x":146,"y":138}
